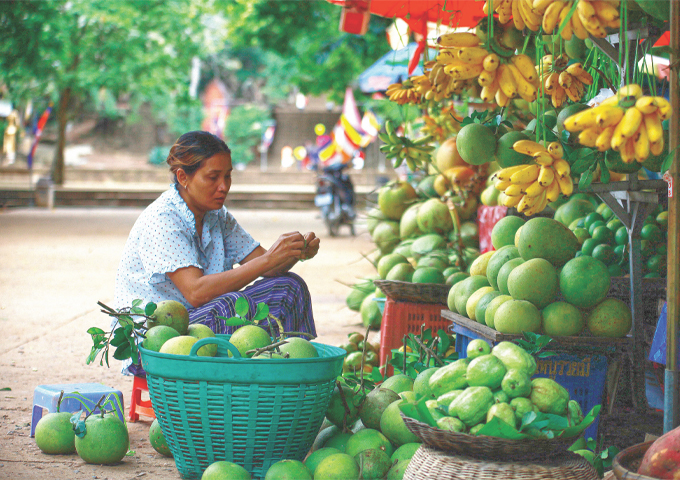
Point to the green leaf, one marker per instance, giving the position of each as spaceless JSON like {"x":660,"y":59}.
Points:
{"x":122,"y":352}
{"x":587,"y":421}
{"x":585,"y":180}
{"x":150,"y":309}
{"x":137,"y":302}
{"x":604,"y":172}
{"x":424,"y":412}
{"x":235,"y":321}
{"x":262,"y":311}
{"x":5,"y":389}
{"x":137,"y":310}
{"x":119,"y":338}
{"x":444,"y":341}
{"x":666,"y":165}
{"x":582,"y":164}
{"x":498,"y":428}
{"x":95,"y":331}
{"x":241,"y":307}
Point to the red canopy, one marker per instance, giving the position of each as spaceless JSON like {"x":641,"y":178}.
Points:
{"x":452,"y":13}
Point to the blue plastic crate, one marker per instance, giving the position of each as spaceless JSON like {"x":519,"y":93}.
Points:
{"x":584,"y":376}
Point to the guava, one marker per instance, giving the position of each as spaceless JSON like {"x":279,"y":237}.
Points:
{"x":486,"y":371}
{"x":472,"y":405}
{"x":516,"y":383}
{"x":449,"y":377}
{"x":549,"y":396}
{"x":504,"y":412}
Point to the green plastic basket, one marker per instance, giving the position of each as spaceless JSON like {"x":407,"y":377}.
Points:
{"x":250,"y":412}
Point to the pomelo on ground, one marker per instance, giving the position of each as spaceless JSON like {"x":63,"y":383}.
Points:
{"x":394,"y":428}
{"x":180,"y":345}
{"x":504,"y":274}
{"x":338,"y":466}
{"x":223,"y":469}
{"x":105,"y":442}
{"x":497,"y":260}
{"x":517,"y":316}
{"x":584,"y":281}
{"x":369,"y":438}
{"x":314,"y":458}
{"x":249,"y":337}
{"x":610,"y":318}
{"x":405,"y":452}
{"x":288,"y":470}
{"x":155,"y":337}
{"x":157,"y":439}
{"x":373,"y":463}
{"x":535,"y":281}
{"x":54,"y":434}
{"x":198,"y":330}
{"x":490,"y":314}
{"x":546,"y":238}
{"x":503,"y":232}
{"x":171,"y":313}
{"x":476,"y":144}
{"x":374,"y":405}
{"x":562,"y":319}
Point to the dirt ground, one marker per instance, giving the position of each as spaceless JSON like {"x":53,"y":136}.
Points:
{"x":55,"y":266}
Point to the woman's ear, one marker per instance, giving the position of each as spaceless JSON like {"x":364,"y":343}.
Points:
{"x":181,"y":177}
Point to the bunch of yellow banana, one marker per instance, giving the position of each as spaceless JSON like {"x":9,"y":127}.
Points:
{"x":529,"y":188}
{"x":402,"y":93}
{"x":590,"y":17}
{"x":436,"y":84}
{"x":416,"y":153}
{"x":627,"y":122}
{"x":442,"y":125}
{"x":562,"y":81}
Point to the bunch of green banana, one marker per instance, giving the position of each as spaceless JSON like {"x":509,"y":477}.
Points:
{"x":416,"y":153}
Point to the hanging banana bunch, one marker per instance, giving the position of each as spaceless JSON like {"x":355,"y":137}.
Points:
{"x":562,"y":81}
{"x":501,"y":74}
{"x":441,"y":125}
{"x":437,"y":85}
{"x":416,"y":153}
{"x":402,"y":93}
{"x":627,"y":122}
{"x":590,"y":17}
{"x":529,"y":188}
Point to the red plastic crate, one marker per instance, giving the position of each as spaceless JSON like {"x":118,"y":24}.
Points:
{"x":402,"y":318}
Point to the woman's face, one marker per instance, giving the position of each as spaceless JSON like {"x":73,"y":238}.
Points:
{"x":208,"y":187}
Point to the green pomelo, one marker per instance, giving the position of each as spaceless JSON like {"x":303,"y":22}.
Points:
{"x":614,"y":162}
{"x":368,"y":438}
{"x":297,"y":347}
{"x":535,"y":281}
{"x":386,"y":236}
{"x":476,"y":144}
{"x":404,"y":248}
{"x":316,"y":457}
{"x":375,"y":404}
{"x":486,"y":371}
{"x":514,"y":357}
{"x":54,"y":434}
{"x":337,"y":410}
{"x":157,"y":439}
{"x":373,"y":464}
{"x":401,"y":272}
{"x":180,"y":345}
{"x":394,"y":428}
{"x":426,"y":244}
{"x":567,"y":112}
{"x":421,"y":385}
{"x":171,"y":313}
{"x":288,"y":470}
{"x":517,"y":316}
{"x":156,"y":336}
{"x":405,"y":452}
{"x":223,"y":469}
{"x":576,"y":49}
{"x":338,"y":466}
{"x":454,"y":278}
{"x":573,"y":209}
{"x":549,"y":396}
{"x":395,"y":197}
{"x":338,"y":440}
{"x":504,"y":274}
{"x":561,"y":319}
{"x":397,"y":470}
{"x":473,"y":300}
{"x":503,"y":232}
{"x":388,"y":261}
{"x":398,"y":383}
{"x":105,"y":442}
{"x":497,"y":260}
{"x":483,"y":304}
{"x":198,"y":331}
{"x":546,"y":238}
{"x":466,"y":288}
{"x":472,"y":405}
{"x":489,"y":196}
{"x":505,"y":155}
{"x":489,"y":316}
{"x":452,"y":376}
{"x":584,"y":281}
{"x":249,"y":337}
{"x":434,"y":217}
{"x":610,"y":318}
{"x":448,"y":271}
{"x":427,"y":275}
{"x":440,"y":262}
{"x":370,"y":313}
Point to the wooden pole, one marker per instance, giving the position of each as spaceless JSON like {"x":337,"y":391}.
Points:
{"x":671,"y":419}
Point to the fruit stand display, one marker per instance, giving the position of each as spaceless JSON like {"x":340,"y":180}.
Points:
{"x":560,"y":108}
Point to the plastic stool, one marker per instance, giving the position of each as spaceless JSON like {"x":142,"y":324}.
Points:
{"x":137,"y":405}
{"x":47,"y":396}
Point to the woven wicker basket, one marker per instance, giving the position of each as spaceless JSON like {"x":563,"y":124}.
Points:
{"x":487,"y":448}
{"x":414,"y":292}
{"x":428,"y":463}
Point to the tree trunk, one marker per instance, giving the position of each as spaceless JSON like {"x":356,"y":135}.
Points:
{"x":58,"y":163}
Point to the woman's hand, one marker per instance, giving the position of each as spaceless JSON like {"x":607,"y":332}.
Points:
{"x":287,"y":249}
{"x":312,"y":246}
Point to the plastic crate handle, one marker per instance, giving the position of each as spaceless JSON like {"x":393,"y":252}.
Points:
{"x":220,"y":342}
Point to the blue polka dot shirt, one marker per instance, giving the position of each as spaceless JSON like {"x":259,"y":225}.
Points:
{"x":164,"y":239}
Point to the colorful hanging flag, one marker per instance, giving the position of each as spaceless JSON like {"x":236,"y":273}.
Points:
{"x":38,"y":133}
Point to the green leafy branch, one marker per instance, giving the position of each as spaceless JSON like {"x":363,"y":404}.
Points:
{"x":534,"y":344}
{"x":125,"y":334}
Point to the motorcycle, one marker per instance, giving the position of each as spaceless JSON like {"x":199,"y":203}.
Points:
{"x":335,"y":197}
